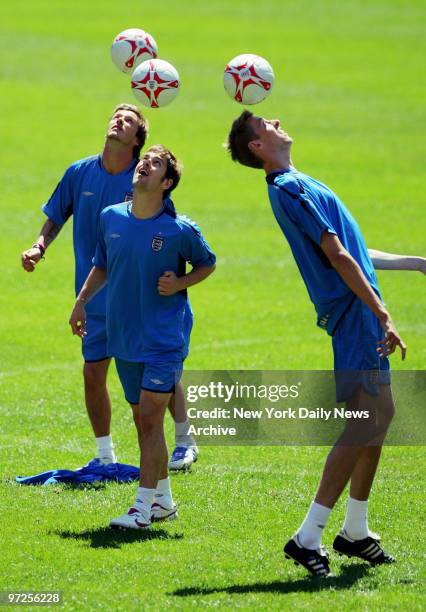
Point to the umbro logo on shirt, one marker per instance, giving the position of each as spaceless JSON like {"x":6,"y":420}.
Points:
{"x":88,"y":193}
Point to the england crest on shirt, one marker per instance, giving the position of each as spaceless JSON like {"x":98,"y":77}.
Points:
{"x":157,"y":242}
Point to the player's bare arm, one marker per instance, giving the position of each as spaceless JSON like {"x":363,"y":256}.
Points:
{"x":32,"y":256}
{"x":390,"y":261}
{"x":346,"y":266}
{"x":93,"y":284}
{"x":169,"y":283}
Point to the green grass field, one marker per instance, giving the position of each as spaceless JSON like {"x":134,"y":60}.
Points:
{"x":350,"y":89}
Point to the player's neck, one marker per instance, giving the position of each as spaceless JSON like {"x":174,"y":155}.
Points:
{"x":146,"y":205}
{"x":280,"y":161}
{"x":115,"y":159}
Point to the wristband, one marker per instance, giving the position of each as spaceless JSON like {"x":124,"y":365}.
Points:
{"x":41,"y":248}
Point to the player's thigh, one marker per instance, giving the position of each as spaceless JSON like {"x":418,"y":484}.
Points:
{"x":131,"y":375}
{"x":159,"y":382}
{"x":95,"y":372}
{"x":356,"y":360}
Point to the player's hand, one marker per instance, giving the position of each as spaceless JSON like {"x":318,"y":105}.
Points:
{"x":169,"y":283}
{"x":78,"y":320}
{"x":392,"y":340}
{"x":30,"y":259}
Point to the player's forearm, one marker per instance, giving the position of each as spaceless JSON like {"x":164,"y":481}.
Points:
{"x":95,"y":281}
{"x":349,"y":270}
{"x":390,"y":261}
{"x":196,"y":276}
{"x":48,"y":233}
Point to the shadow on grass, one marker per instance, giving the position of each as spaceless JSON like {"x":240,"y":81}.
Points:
{"x":349,"y":575}
{"x":105,"y":537}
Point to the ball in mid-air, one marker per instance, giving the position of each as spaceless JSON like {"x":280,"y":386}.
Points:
{"x":132,"y":47}
{"x":155,"y":83}
{"x":248,"y":78}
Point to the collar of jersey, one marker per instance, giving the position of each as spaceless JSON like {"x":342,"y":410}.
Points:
{"x":132,"y":216}
{"x":272,"y":175}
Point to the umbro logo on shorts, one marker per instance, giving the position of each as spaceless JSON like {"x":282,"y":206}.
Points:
{"x":88,"y":193}
{"x":156,"y":381}
{"x":157,"y":243}
{"x":114,"y":235}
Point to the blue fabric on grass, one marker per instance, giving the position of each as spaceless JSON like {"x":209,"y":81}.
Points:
{"x":92,"y":472}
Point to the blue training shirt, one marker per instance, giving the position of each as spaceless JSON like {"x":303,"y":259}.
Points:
{"x":143,"y":325}
{"x":84,"y":191}
{"x":304,"y":209}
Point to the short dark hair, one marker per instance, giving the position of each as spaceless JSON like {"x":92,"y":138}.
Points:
{"x":238,"y":139}
{"x":173,"y":168}
{"x":142,"y":132}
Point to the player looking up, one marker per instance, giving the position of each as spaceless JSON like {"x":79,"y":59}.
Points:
{"x":141,"y":253}
{"x":334,"y":262}
{"x":87,"y":187}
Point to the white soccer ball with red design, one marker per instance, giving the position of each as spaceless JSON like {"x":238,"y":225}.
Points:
{"x":132,"y":47}
{"x":155,"y":83}
{"x":248,"y":78}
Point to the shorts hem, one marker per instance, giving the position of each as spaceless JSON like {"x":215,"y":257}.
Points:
{"x":172,"y":390}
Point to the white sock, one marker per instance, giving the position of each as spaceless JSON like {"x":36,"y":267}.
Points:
{"x":163,"y":493}
{"x":182,"y":437}
{"x":356,"y":520}
{"x":144,"y":500}
{"x":106,"y":449}
{"x":310,"y":531}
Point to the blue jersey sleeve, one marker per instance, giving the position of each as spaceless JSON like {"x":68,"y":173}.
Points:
{"x":100,"y":258}
{"x":60,"y":205}
{"x":194,"y":248}
{"x":309,"y":217}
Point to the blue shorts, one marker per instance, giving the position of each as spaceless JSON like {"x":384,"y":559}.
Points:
{"x":356,"y":360}
{"x":157,"y":377}
{"x":94,"y":344}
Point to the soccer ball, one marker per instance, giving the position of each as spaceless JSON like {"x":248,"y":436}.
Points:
{"x":248,"y":78}
{"x":155,"y":83}
{"x":132,"y":47}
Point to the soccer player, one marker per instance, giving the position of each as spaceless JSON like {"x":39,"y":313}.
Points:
{"x":142,"y":250}
{"x":334,"y":262}
{"x":87,"y":187}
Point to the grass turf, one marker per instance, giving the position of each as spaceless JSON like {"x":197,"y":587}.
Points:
{"x":349,"y":89}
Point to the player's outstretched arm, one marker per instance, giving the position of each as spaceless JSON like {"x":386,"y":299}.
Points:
{"x":389,"y":261}
{"x":169,"y":283}
{"x":93,"y":284}
{"x":32,"y":256}
{"x":346,"y":266}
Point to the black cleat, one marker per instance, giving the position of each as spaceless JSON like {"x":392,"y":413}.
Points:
{"x":312,"y":560}
{"x":367,"y":549}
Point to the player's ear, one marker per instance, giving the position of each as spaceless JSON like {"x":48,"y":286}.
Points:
{"x":254,"y":146}
{"x":167,"y":183}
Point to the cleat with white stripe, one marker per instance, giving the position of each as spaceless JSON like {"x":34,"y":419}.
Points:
{"x":368,"y":549}
{"x":315,"y":561}
{"x":132,"y":519}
